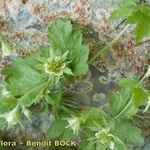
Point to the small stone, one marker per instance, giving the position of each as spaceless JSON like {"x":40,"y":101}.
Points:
{"x":104,"y":80}
{"x":99,"y":97}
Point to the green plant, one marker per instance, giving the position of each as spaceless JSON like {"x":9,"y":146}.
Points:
{"x":132,"y":12}
{"x":41,"y":77}
{"x":112,"y":128}
{"x":135,"y":13}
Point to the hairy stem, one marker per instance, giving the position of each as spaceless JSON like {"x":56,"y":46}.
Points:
{"x":109,"y":45}
{"x":124,"y":109}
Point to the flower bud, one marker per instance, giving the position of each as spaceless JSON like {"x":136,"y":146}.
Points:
{"x":54,"y":66}
{"x":28,"y":114}
{"x":74,"y":124}
{"x":111,"y":145}
{"x":105,"y":137}
{"x":13,"y":117}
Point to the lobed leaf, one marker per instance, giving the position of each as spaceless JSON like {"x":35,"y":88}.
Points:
{"x":128,"y":133}
{"x":56,"y":129}
{"x":141,"y":18}
{"x":63,"y":37}
{"x":125,"y":9}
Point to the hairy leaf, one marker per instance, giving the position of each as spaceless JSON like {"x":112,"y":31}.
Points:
{"x":56,"y":129}
{"x":25,"y":81}
{"x":63,"y":37}
{"x":86,"y":145}
{"x":120,"y":145}
{"x":138,"y":14}
{"x":140,"y":95}
{"x":125,"y":9}
{"x":121,"y":102}
{"x":128,"y":133}
{"x":141,"y":18}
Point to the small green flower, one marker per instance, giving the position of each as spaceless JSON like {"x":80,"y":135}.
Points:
{"x":13,"y":117}
{"x":105,"y":137}
{"x":74,"y":124}
{"x":111,"y":145}
{"x":57,"y":65}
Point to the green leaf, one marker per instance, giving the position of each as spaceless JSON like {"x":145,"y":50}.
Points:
{"x":2,"y":121}
{"x":79,"y":65}
{"x":94,"y":111}
{"x":33,"y":96}
{"x":115,"y":103}
{"x":128,"y":133}
{"x":56,"y":129}
{"x":94,"y":118}
{"x":128,"y":82}
{"x":122,"y":105}
{"x":141,"y":18}
{"x":7,"y":102}
{"x":135,"y":14}
{"x":129,"y":86}
{"x":120,"y":145}
{"x":22,"y":77}
{"x":125,"y":9}
{"x":67,"y":135}
{"x":100,"y":146}
{"x":58,"y":35}
{"x":63,"y":37}
{"x":25,"y":82}
{"x":68,"y":71}
{"x":121,"y":102}
{"x":86,"y":145}
{"x":44,"y":51}
{"x":140,"y":95}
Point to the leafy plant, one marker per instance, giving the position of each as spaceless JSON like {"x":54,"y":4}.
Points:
{"x":135,"y":13}
{"x":39,"y":77}
{"x":112,"y":128}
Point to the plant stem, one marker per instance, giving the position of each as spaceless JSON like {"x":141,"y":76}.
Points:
{"x":124,"y":109}
{"x":110,"y":44}
{"x":147,"y":106}
{"x":129,"y":103}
